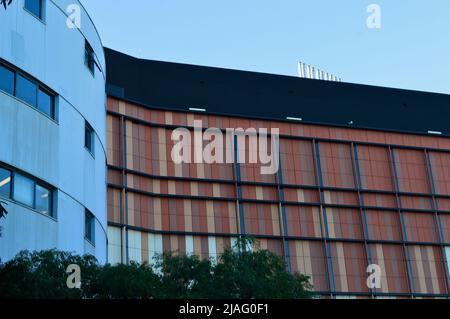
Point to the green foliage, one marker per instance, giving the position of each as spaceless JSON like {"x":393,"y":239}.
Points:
{"x":244,"y":274}
{"x":238,"y":273}
{"x":43,"y":275}
{"x":132,"y":281}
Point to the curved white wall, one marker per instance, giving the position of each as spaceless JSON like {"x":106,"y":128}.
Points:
{"x":53,"y":151}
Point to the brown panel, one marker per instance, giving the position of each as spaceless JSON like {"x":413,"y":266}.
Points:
{"x":307,"y":257}
{"x":344,"y":223}
{"x":420,"y":227}
{"x":440,"y":169}
{"x":383,"y":225}
{"x":303,"y":221}
{"x":261,"y":219}
{"x":114,"y":205}
{"x":297,"y":162}
{"x":379,"y":200}
{"x":374,"y":168}
{"x":336,"y":165}
{"x":349,"y":267}
{"x":427,"y":271}
{"x":411,"y":171}
{"x":393,"y":267}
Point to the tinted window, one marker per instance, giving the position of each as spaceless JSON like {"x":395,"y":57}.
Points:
{"x":89,"y":57}
{"x":35,"y":7}
{"x":89,"y":138}
{"x":26,"y":90}
{"x":6,"y":80}
{"x":43,"y":200}
{"x":45,"y":103}
{"x":89,"y":227}
{"x":23,"y":190}
{"x":5,"y":183}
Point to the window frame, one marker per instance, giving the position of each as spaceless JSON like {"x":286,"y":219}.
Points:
{"x":89,"y":57}
{"x":89,"y":134}
{"x":39,"y":88}
{"x":35,"y":183}
{"x":40,"y":16}
{"x":89,"y":222}
{"x":14,"y":73}
{"x":10,"y":182}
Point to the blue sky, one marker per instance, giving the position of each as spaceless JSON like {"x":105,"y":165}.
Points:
{"x":411,"y":50}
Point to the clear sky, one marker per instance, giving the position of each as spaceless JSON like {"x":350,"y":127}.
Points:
{"x":411,"y":50}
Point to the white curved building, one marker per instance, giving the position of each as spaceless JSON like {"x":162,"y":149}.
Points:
{"x":53,"y":139}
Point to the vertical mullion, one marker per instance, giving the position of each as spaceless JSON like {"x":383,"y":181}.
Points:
{"x":127,"y":253}
{"x":437,"y":222}
{"x":282,"y":212}
{"x":240,"y":205}
{"x":323,"y":217}
{"x":393,"y":172}
{"x":362,"y":212}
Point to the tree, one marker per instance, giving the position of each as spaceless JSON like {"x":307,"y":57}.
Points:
{"x":42,"y":275}
{"x":5,"y":3}
{"x":244,"y":274}
{"x":3,"y":214}
{"x":132,"y":281}
{"x":238,"y":273}
{"x":184,"y":277}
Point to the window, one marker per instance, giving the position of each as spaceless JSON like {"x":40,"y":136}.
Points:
{"x":89,"y":138}
{"x":45,"y":103}
{"x":26,"y":191}
{"x":89,"y":57}
{"x":35,"y":7}
{"x":6,"y":80}
{"x":43,"y":200}
{"x":5,"y":183}
{"x":89,"y":226}
{"x":23,"y":190}
{"x":26,"y":90}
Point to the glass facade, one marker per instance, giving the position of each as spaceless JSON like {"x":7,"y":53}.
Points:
{"x":343,"y":199}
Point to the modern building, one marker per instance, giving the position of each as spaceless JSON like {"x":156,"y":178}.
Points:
{"x":53,"y":141}
{"x":364,"y":175}
{"x":363,"y":172}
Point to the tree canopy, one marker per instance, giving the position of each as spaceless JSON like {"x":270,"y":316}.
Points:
{"x":235,"y":274}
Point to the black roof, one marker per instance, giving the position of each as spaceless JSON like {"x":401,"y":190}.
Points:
{"x":178,"y":86}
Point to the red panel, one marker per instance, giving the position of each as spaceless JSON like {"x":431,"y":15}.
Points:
{"x":445,"y":223}
{"x":427,"y":269}
{"x":297,"y":162}
{"x":303,"y":221}
{"x":374,"y":168}
{"x":383,"y":225}
{"x":349,"y":267}
{"x":411,"y":171}
{"x":420,"y":227}
{"x":417,"y":202}
{"x":262,"y":219}
{"x":307,"y":257}
{"x":393,"y":267}
{"x":336,"y":165}
{"x":379,"y":200}
{"x":440,"y":168}
{"x":301,"y":195}
{"x":344,"y":223}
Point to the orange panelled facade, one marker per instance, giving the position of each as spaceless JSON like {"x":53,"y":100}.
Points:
{"x":342,"y":199}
